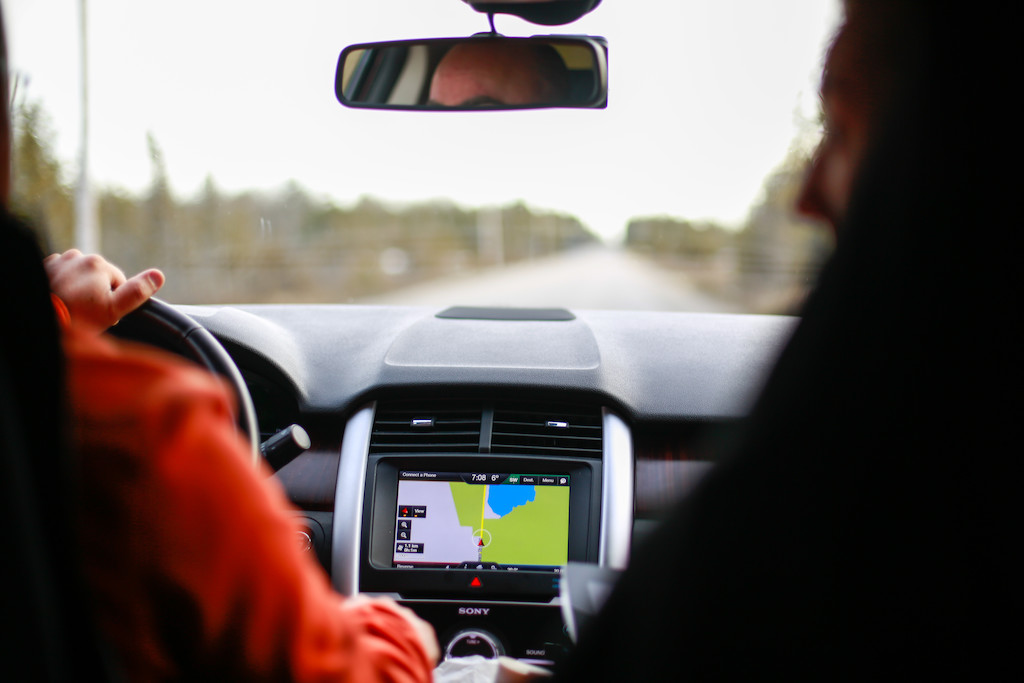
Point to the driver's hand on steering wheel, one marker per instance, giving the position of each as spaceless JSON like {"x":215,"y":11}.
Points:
{"x":95,"y":291}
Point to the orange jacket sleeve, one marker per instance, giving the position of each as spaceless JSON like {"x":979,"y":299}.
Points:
{"x":61,"y":310}
{"x":191,"y":552}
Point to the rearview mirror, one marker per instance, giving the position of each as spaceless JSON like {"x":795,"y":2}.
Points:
{"x":481,"y":72}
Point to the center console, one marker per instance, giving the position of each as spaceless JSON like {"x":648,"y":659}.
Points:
{"x":476,"y":543}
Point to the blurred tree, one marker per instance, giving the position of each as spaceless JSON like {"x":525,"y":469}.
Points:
{"x":780,"y":253}
{"x":123,"y":223}
{"x":159,"y":231}
{"x":280,"y":246}
{"x":674,"y":239}
{"x":768,"y":265}
{"x":38,"y":190}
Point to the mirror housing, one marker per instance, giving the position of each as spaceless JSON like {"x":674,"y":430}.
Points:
{"x":483,"y":72}
{"x":546,"y":12}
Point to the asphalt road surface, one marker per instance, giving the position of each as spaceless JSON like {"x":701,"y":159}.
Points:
{"x":589,"y":278}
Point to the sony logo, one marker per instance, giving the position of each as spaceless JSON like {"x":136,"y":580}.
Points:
{"x":474,"y":611}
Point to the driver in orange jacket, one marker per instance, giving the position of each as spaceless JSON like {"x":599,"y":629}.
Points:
{"x":189,"y":552}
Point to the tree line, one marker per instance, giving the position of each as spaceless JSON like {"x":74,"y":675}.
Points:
{"x":284,"y":245}
{"x":288,"y":246}
{"x":766,"y":266}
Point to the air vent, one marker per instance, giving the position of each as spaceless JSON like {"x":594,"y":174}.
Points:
{"x":426,"y":427}
{"x":506,"y":427}
{"x":546,"y":429}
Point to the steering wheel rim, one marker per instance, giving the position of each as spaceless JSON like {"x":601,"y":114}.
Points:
{"x":158,"y":323}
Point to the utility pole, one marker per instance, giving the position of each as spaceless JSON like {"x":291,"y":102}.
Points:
{"x":87,"y":237}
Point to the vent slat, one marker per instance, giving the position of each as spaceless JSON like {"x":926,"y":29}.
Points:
{"x":416,"y":434}
{"x":528,"y":438}
{"x":406,"y":421}
{"x":542,"y":450}
{"x":522,"y":426}
{"x":593,"y":432}
{"x":388,"y":443}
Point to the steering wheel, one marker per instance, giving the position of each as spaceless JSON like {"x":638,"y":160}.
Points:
{"x":160,"y":324}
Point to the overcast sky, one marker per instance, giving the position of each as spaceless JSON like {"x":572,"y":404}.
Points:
{"x":706,"y":97}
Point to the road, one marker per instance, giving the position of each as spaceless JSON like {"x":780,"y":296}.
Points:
{"x":590,"y":278}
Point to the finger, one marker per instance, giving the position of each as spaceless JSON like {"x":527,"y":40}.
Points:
{"x":53,"y":259}
{"x":429,"y":638}
{"x":356,"y":600}
{"x":117,"y":278}
{"x":70,"y":255}
{"x":135,"y":292}
{"x":94,"y":263}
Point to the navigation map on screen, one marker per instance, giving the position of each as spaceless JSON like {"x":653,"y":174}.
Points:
{"x":482,"y":520}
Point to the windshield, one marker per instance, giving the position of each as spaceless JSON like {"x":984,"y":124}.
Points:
{"x":217,"y":151}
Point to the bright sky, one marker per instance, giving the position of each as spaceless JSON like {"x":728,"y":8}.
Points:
{"x":706,"y":97}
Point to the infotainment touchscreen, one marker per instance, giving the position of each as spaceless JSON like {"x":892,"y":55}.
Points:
{"x":481,"y":520}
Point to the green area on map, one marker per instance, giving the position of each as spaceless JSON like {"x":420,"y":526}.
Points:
{"x":534,"y":533}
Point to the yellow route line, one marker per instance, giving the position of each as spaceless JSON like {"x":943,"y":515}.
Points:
{"x":483,"y":510}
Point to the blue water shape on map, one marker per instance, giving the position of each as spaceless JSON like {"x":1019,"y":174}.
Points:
{"x":503,"y":499}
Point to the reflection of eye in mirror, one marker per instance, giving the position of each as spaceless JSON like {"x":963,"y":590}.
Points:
{"x":475,"y":73}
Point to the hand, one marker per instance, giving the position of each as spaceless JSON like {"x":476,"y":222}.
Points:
{"x":423,"y":629}
{"x":95,"y":291}
{"x":513,"y":671}
{"x":426,"y":633}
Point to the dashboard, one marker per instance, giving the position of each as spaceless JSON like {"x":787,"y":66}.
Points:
{"x":459,"y":459}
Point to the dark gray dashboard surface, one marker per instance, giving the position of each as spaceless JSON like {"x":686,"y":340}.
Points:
{"x":655,"y":366}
